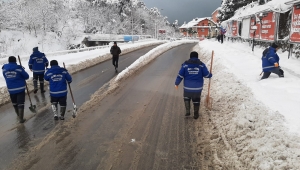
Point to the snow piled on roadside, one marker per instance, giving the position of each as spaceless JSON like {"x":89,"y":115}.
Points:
{"x":278,"y":94}
{"x":152,"y":54}
{"x":256,"y":135}
{"x":77,"y":62}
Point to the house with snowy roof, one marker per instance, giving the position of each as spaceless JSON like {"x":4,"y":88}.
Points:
{"x":215,"y":14}
{"x":199,"y":27}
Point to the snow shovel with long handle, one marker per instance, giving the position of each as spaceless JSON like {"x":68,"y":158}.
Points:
{"x":31,"y":107}
{"x":208,"y":100}
{"x":74,"y":114}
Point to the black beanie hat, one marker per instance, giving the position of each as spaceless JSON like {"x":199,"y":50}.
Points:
{"x":274,"y":45}
{"x":12,"y":59}
{"x":194,"y":54}
{"x":115,"y":42}
{"x":53,"y":63}
{"x":35,"y":49}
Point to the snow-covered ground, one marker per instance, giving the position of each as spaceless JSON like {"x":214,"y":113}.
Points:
{"x":78,"y":61}
{"x":279,"y":94}
{"x":257,"y":120}
{"x":21,"y":43}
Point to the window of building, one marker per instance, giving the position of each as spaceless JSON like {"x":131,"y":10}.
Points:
{"x":202,"y":30}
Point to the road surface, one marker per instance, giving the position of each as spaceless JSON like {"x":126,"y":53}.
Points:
{"x":16,"y":139}
{"x":141,"y":125}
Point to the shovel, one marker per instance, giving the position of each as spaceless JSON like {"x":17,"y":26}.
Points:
{"x":208,"y":100}
{"x":74,"y":114}
{"x":31,"y":107}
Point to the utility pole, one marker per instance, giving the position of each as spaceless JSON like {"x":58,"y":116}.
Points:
{"x":155,"y":30}
{"x":131,"y":26}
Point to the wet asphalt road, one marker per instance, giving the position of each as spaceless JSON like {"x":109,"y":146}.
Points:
{"x":16,"y":139}
{"x":140,"y":125}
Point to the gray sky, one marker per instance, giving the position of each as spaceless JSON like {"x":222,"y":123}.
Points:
{"x":184,"y":10}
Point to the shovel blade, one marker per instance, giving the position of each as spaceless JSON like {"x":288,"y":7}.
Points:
{"x":208,"y":102}
{"x":74,"y":114}
{"x":32,"y":108}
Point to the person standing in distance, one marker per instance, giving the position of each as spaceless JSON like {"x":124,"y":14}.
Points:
{"x":115,"y":51}
{"x":58,"y":78}
{"x":222,"y":33}
{"x":270,"y":62}
{"x":37,"y":64}
{"x":15,"y":77}
{"x":192,"y":71}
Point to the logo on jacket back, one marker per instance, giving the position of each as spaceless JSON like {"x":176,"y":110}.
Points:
{"x":39,"y":60}
{"x":193,"y":70}
{"x":10,"y":74}
{"x":57,"y":77}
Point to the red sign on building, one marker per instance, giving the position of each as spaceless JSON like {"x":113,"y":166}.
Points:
{"x":268,"y":26}
{"x":254,"y":28}
{"x":234,"y":29}
{"x":295,"y":25}
{"x":162,"y":31}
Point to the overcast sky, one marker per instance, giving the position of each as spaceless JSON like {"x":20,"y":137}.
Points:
{"x":184,"y":10}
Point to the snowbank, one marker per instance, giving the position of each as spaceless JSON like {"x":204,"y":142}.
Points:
{"x":258,"y":121}
{"x":77,"y":62}
{"x":279,"y":94}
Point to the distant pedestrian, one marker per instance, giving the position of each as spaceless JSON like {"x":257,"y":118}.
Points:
{"x":37,"y":64}
{"x":219,"y":37}
{"x":222,"y":33}
{"x":115,"y":51}
{"x":270,"y":62}
{"x":15,"y":77}
{"x":58,"y":78}
{"x":192,"y":71}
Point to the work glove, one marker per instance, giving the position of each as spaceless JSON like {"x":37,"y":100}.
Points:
{"x":176,"y":87}
{"x":276,"y":64}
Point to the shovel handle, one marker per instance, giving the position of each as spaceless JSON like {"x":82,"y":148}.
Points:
{"x":70,"y":88}
{"x":25,"y":82}
{"x":210,"y":70}
{"x":211,"y":61}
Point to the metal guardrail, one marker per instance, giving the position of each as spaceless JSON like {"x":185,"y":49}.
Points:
{"x":61,"y":52}
{"x":64,"y":52}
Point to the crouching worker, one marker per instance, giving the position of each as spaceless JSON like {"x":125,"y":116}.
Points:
{"x":15,"y":77}
{"x":270,"y":62}
{"x":192,"y":71}
{"x":58,"y":78}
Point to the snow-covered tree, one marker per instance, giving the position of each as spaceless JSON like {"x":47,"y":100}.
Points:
{"x":228,"y":8}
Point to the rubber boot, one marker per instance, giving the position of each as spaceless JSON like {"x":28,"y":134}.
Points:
{"x":196,"y":112}
{"x":21,"y":114}
{"x":42,"y":87}
{"x":35,"y":86}
{"x":62,"y":112}
{"x":16,"y":109}
{"x":281,"y":73}
{"x":187,"y":108}
{"x":54,"y":109}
